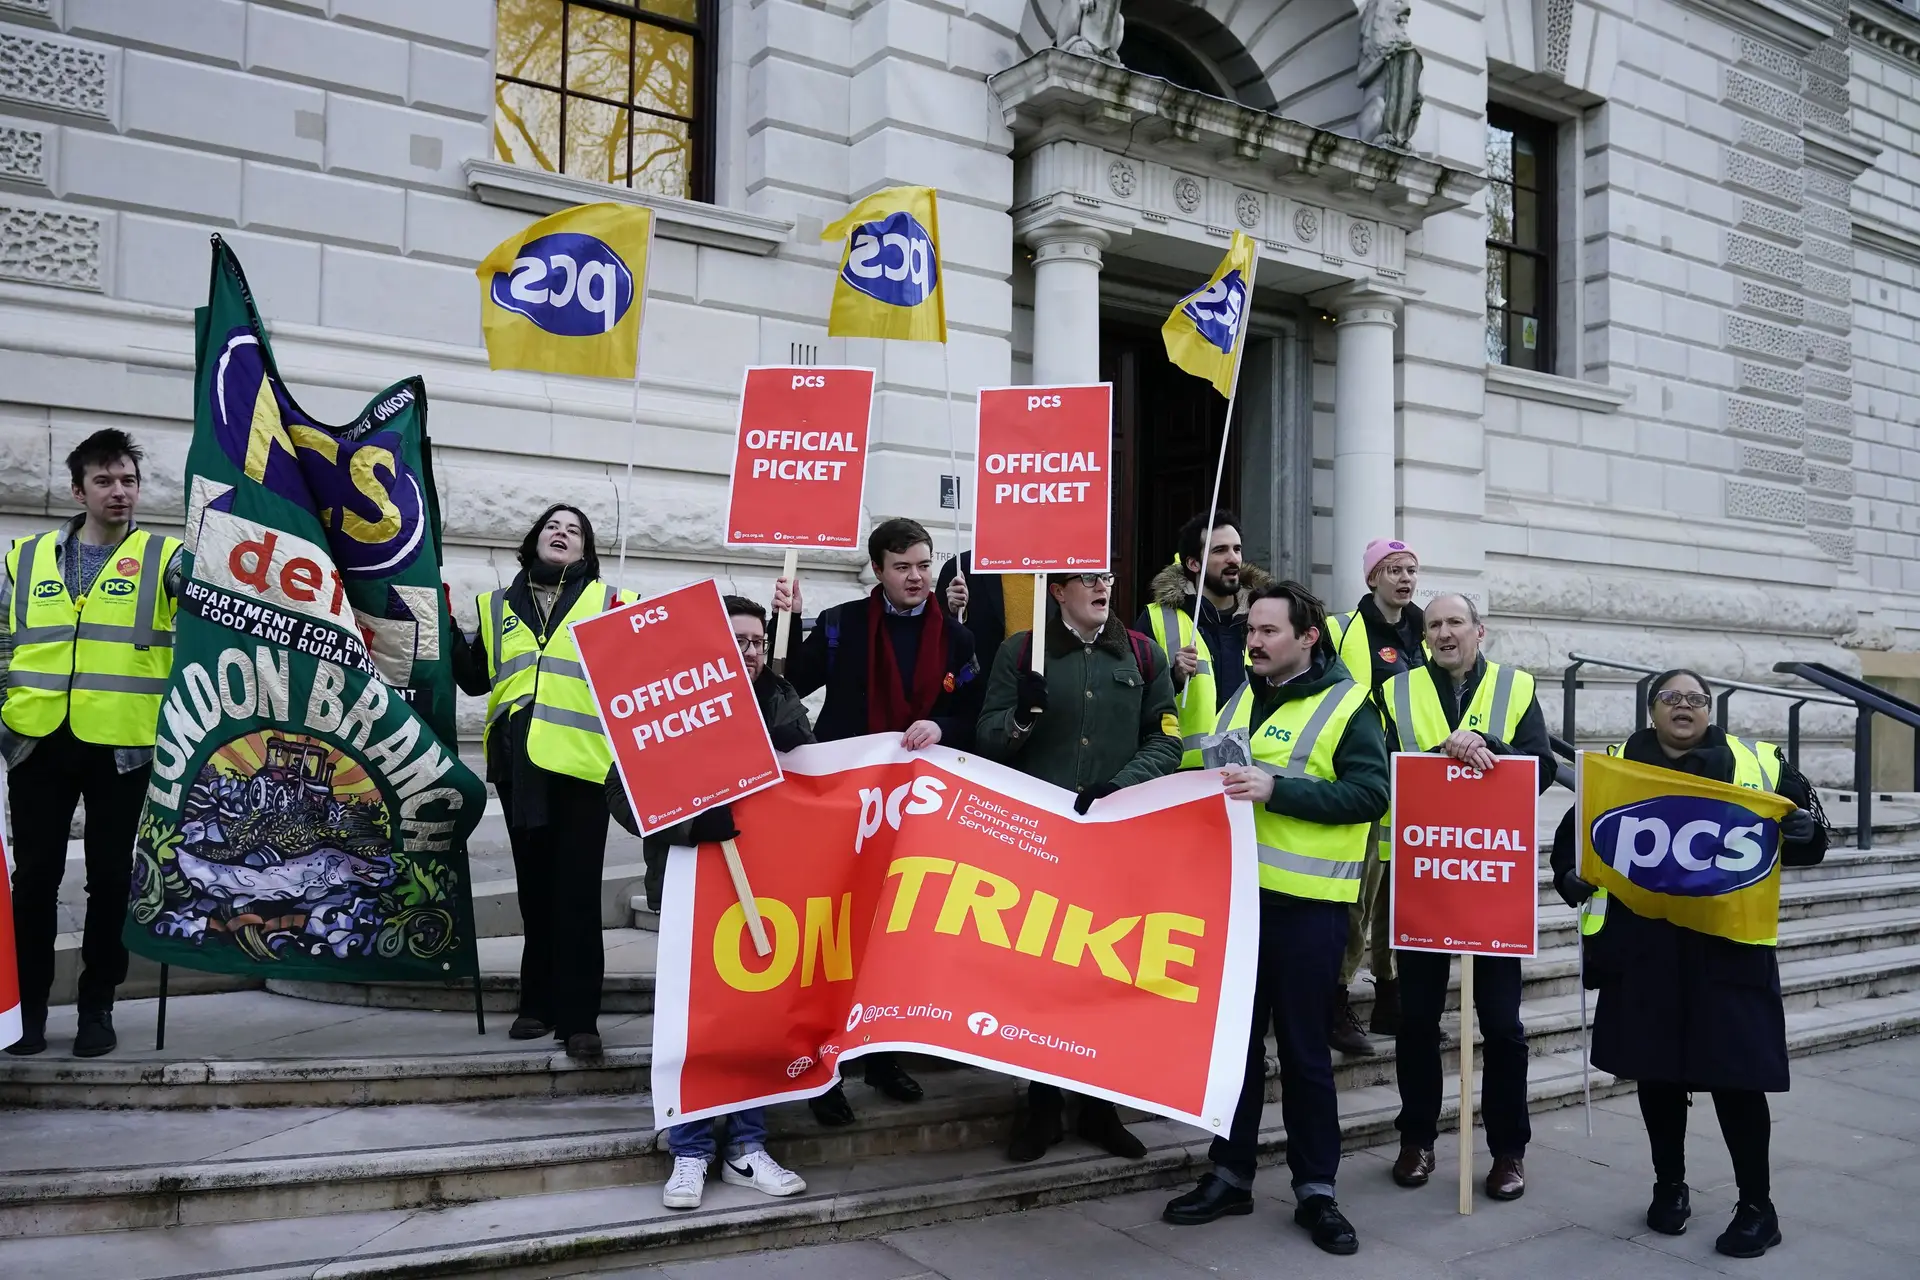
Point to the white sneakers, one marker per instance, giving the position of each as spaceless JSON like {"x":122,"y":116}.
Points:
{"x":755,"y":1169}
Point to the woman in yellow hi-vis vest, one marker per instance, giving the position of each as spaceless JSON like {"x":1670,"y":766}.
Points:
{"x":1683,"y":1012}
{"x":548,"y":758}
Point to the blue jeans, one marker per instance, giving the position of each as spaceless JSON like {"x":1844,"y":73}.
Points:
{"x":746,"y":1131}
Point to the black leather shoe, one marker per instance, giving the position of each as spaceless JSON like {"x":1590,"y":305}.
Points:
{"x":33,"y":1034}
{"x":585,"y":1044}
{"x":1671,"y":1208}
{"x":1213,"y":1198}
{"x":891,"y":1079}
{"x":95,"y":1035}
{"x":1330,"y":1228}
{"x":1754,"y":1230}
{"x":528,"y":1028}
{"x":1099,"y":1123}
{"x":1038,"y":1129}
{"x":832,"y":1108}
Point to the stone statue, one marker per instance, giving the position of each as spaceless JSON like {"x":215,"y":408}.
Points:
{"x":1389,"y":75}
{"x":1090,"y":28}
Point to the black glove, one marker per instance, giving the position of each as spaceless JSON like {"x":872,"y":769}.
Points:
{"x":1573,"y":890}
{"x":1799,"y":826}
{"x":617,"y":804}
{"x":1099,"y":791}
{"x":1030,"y":699}
{"x":712,"y":826}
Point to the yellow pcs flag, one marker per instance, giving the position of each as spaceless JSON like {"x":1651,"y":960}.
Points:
{"x":565,"y":295}
{"x":889,"y":284}
{"x":1203,"y":334}
{"x":1702,"y":855}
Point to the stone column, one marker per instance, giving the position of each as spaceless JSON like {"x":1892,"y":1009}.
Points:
{"x":1363,"y":456}
{"x":1066,"y":303}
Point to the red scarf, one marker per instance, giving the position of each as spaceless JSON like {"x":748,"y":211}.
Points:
{"x":889,"y":709}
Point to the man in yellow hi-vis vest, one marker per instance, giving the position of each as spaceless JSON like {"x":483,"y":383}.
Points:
{"x":1302,"y":743}
{"x":1474,"y":711}
{"x":87,"y":611}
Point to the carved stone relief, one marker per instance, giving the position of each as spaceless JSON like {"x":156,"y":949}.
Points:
{"x":23,"y":154}
{"x":39,"y":246}
{"x":51,"y":73}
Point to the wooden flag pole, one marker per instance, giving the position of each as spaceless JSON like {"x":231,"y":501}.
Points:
{"x":1466,"y":1083}
{"x":756,"y":928}
{"x":783,"y":621}
{"x":633,"y":414}
{"x":953,"y":460}
{"x":1220,"y":469}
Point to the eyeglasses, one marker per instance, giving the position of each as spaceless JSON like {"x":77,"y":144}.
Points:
{"x":1095,"y":579}
{"x":1675,"y":698}
{"x":751,"y":644}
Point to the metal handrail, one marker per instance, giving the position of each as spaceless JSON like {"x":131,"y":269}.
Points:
{"x":1869,"y":701}
{"x":1570,"y":682}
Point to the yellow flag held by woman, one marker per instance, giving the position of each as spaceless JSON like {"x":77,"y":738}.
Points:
{"x":1703,"y":855}
{"x":889,"y":284}
{"x":565,"y":295}
{"x":1203,"y":333}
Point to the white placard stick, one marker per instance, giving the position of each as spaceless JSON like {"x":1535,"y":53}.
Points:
{"x":1466,"y":1084}
{"x":783,"y":621}
{"x":1039,"y":645}
{"x":756,"y":928}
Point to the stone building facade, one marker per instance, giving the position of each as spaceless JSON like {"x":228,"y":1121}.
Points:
{"x":1689,"y":434}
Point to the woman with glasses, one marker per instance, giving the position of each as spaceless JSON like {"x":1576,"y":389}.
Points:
{"x":1682,"y":1012}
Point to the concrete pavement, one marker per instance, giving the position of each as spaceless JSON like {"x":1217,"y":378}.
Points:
{"x":1846,"y":1171}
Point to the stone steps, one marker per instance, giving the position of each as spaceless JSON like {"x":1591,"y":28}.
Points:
{"x":564,"y":1186}
{"x":626,"y":987}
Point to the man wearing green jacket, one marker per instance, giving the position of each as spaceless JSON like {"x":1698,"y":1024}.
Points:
{"x":1102,"y":717}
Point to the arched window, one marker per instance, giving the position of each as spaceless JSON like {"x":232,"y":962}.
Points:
{"x":1150,"y":53}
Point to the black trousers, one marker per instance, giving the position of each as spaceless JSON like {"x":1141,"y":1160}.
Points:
{"x":1503,"y":1070}
{"x":1301,"y":942}
{"x":49,"y":783}
{"x":557,"y":869}
{"x":1745,"y":1123}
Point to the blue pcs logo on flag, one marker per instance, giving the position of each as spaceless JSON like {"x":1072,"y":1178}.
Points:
{"x":1216,"y":310}
{"x":893,"y":261}
{"x":1691,"y":846}
{"x":569,"y":284}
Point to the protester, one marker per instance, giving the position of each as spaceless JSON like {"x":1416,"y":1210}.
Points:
{"x":86,"y":646}
{"x":692,"y":1145}
{"x":548,"y":758}
{"x":1682,"y":1012}
{"x":1302,"y":743}
{"x":1099,"y":719}
{"x":1225,"y":587}
{"x":1380,"y":638}
{"x":1473,"y":711}
{"x":889,"y":664}
{"x":996,"y":606}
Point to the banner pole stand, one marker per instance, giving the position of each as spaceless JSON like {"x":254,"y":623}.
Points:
{"x":756,"y":928}
{"x":953,"y":460}
{"x":160,"y":1016}
{"x":1586,"y":1070}
{"x":1039,"y":646}
{"x":1466,"y":1084}
{"x":783,"y":621}
{"x":479,"y":1005}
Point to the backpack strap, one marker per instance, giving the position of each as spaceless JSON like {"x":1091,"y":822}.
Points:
{"x":1142,"y":654}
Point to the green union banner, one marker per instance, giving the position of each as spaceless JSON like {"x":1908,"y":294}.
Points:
{"x":307,"y":815}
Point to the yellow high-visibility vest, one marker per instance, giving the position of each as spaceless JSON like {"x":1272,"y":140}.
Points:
{"x":565,"y":735}
{"x":1499,"y":702}
{"x":1304,"y":859}
{"x":1196,"y":700}
{"x":100,"y":662}
{"x":1348,"y":632}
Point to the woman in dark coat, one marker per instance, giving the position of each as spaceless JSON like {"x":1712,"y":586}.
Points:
{"x":1683,"y":1012}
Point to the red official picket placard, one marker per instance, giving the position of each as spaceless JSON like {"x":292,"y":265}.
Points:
{"x":1042,"y":480}
{"x":800,"y":457}
{"x":676,"y":704}
{"x":1465,"y":856}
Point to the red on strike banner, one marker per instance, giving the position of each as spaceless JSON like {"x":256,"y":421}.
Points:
{"x":1465,"y":856}
{"x":676,"y":704}
{"x":1042,"y":480}
{"x":9,"y":973}
{"x":939,"y":903}
{"x":800,"y":457}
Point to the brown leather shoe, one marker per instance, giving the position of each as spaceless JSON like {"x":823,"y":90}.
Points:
{"x":1507,"y":1180}
{"x":1414,"y":1166}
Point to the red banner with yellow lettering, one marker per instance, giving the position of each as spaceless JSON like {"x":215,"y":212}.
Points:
{"x":938,"y":903}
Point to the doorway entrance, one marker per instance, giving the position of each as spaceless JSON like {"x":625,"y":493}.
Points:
{"x":1166,"y":444}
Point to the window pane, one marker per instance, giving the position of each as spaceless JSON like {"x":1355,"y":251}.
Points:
{"x":662,"y":70}
{"x":529,"y":39}
{"x":526,"y":125}
{"x":596,"y":141}
{"x":1523,"y":284}
{"x":1499,"y":154}
{"x":1526,"y":219}
{"x":1500,"y":212}
{"x":1496,"y":337}
{"x":1526,"y":168}
{"x":685,"y":10}
{"x":597,"y":53}
{"x":662,"y":156}
{"x":1496,"y":278}
{"x":1524,"y":347}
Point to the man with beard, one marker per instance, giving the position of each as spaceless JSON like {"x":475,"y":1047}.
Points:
{"x":891,"y":663}
{"x":1302,"y":743}
{"x":1378,"y":640}
{"x":1211,"y":658}
{"x":1099,"y":719}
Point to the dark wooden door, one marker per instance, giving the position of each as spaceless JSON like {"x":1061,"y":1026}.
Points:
{"x":1166,"y":443}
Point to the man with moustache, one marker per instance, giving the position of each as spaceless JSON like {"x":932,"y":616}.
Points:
{"x":1099,"y":719}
